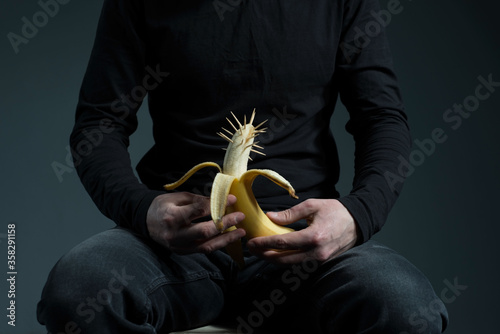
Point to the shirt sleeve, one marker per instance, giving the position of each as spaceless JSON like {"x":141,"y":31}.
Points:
{"x":110,"y":95}
{"x":368,"y":88}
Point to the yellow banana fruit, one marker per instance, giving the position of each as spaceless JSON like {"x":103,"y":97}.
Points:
{"x":234,"y":178}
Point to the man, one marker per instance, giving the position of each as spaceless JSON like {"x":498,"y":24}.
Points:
{"x":163,"y":268}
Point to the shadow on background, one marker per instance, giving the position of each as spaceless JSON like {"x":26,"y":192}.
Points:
{"x":445,"y":222}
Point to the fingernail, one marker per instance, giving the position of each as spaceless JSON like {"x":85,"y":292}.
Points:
{"x":239,"y":217}
{"x":272,"y":214}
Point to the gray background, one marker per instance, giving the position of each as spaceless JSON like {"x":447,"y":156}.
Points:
{"x":445,"y":221}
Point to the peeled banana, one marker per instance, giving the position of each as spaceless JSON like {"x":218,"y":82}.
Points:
{"x":234,"y":178}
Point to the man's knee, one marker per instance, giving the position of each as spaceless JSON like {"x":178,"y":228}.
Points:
{"x":387,"y":291}
{"x":86,"y":282}
{"x":405,"y":299}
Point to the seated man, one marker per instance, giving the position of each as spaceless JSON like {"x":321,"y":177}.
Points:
{"x":157,"y":271}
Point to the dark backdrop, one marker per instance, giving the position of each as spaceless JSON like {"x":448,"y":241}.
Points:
{"x":445,"y":221}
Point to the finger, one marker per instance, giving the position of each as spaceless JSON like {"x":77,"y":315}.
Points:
{"x":193,"y":207}
{"x":182,"y":198}
{"x":204,"y":237}
{"x":285,"y":257}
{"x":231,"y":200}
{"x":315,"y":253}
{"x":230,"y":220}
{"x":219,"y":241}
{"x":288,"y":241}
{"x":300,"y":211}
{"x":207,"y":230}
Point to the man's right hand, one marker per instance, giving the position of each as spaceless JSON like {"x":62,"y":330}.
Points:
{"x":169,"y":222}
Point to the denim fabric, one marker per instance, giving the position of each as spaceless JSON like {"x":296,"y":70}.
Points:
{"x":119,"y":282}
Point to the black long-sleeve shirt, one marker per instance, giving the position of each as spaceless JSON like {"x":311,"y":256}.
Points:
{"x":199,"y":60}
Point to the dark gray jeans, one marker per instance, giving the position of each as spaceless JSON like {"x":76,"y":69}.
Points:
{"x":118,"y":282}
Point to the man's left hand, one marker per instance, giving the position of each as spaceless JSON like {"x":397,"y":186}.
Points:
{"x":331,"y":231}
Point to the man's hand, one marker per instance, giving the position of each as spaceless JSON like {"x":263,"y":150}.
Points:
{"x":331,"y":231}
{"x":169,"y":221}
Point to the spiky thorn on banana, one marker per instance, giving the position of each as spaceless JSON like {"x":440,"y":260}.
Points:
{"x":234,"y":178}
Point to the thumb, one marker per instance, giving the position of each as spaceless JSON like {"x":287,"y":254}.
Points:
{"x":288,"y":216}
